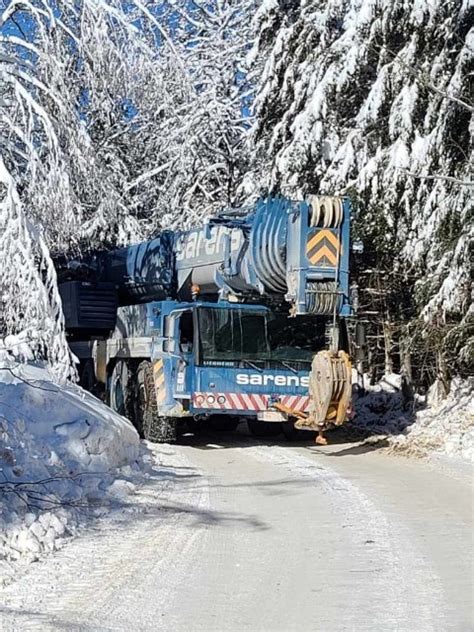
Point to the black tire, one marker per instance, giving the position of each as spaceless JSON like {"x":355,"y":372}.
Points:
{"x":290,"y":432}
{"x":148,"y":422}
{"x":87,"y":375}
{"x":121,"y":397}
{"x":223,"y":424}
{"x":263,"y":429}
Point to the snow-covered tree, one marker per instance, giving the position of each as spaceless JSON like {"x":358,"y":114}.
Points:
{"x":30,"y":307}
{"x":116,"y":118}
{"x":63,"y":75}
{"x":195,"y":157}
{"x":148,"y":105}
{"x":372,"y":98}
{"x":69,"y":73}
{"x":216,"y":37}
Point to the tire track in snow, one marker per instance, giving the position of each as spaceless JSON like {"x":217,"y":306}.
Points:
{"x":400,"y":589}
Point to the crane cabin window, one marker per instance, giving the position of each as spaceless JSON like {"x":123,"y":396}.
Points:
{"x":295,"y":339}
{"x":186,"y":332}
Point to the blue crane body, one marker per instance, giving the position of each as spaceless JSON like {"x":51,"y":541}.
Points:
{"x":223,"y":319}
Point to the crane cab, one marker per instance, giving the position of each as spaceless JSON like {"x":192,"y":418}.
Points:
{"x":231,"y":359}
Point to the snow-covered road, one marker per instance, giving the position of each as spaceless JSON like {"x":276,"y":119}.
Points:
{"x":237,"y":535}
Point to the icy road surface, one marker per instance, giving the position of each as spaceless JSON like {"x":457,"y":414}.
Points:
{"x":237,"y":535}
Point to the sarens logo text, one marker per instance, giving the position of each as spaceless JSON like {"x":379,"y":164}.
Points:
{"x":260,"y":379}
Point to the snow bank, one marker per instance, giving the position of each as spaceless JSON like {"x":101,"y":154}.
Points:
{"x":423,"y":424}
{"x":63,"y":455}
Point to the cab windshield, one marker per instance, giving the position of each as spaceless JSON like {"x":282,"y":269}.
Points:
{"x":232,"y":334}
{"x":240,"y":335}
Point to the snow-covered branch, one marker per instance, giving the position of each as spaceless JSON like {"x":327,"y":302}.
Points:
{"x":115,"y":119}
{"x":419,"y":176}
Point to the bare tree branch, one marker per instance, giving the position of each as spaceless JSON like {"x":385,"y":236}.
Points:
{"x":419,"y":176}
{"x":423,"y":78}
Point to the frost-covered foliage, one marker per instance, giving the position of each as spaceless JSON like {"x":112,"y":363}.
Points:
{"x":63,"y":77}
{"x":68,"y":77}
{"x":202,"y":166}
{"x":115,"y":119}
{"x":136,"y":112}
{"x":372,"y":98}
{"x":29,"y":301}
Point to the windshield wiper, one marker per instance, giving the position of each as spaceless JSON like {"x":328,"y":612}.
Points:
{"x":286,"y":365}
{"x":252,"y":365}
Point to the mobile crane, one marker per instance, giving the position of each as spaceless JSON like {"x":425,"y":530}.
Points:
{"x":243,"y":317}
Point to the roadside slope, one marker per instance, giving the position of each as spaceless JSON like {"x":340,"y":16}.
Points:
{"x":63,"y":453}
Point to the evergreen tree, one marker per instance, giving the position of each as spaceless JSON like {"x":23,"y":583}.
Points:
{"x":372,"y":99}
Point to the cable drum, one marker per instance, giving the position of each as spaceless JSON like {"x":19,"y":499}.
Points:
{"x":323,"y":298}
{"x":326,"y":212}
{"x":268,"y":246}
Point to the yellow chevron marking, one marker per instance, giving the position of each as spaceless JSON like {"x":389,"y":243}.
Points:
{"x":333,"y":239}
{"x":321,"y":235}
{"x":159,"y":376}
{"x":313,"y":241}
{"x":324,"y":252}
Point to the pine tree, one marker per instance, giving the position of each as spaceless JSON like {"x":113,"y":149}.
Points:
{"x":372,"y":99}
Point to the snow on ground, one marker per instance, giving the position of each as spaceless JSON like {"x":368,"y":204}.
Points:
{"x":424,"y":424}
{"x":64,"y":457}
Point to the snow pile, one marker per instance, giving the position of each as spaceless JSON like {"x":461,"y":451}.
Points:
{"x":63,"y":455}
{"x":382,"y":407}
{"x":447,"y":426}
{"x":421,"y":424}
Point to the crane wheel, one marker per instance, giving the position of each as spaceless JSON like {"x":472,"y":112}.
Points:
{"x":263,"y":429}
{"x":121,"y":390}
{"x":150,"y":424}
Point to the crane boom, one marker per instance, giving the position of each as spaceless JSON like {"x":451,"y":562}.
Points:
{"x":276,"y":250}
